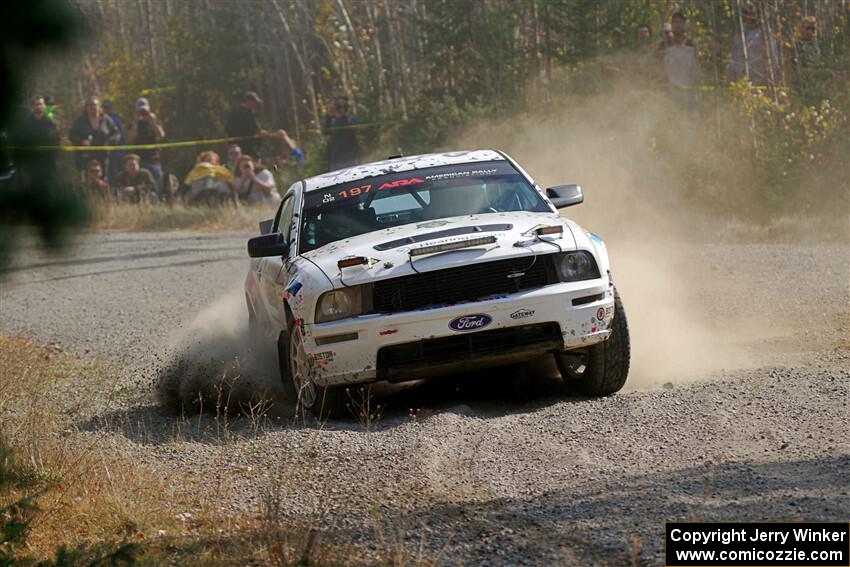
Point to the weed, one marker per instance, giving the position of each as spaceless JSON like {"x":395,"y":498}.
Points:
{"x":365,"y":411}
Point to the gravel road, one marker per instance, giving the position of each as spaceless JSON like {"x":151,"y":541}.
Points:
{"x":745,"y":419}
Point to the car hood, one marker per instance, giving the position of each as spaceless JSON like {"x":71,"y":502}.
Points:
{"x":388,"y":250}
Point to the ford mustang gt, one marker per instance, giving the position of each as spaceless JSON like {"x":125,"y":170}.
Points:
{"x":429,"y":265}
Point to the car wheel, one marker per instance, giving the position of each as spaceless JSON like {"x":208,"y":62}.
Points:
{"x":601,"y":369}
{"x":323,"y":402}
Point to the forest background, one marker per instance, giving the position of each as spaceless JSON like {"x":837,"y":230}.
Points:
{"x":420,"y":73}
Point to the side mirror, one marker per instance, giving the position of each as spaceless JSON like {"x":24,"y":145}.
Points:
{"x":266,"y":226}
{"x":565,"y":195}
{"x":267,"y":245}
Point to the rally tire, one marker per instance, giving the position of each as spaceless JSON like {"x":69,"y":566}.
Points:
{"x":607,"y":363}
{"x":322,"y":402}
{"x":283,"y":363}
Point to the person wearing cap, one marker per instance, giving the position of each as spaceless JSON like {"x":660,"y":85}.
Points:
{"x":147,"y":129}
{"x":242,"y":123}
{"x":643,"y":35}
{"x":133,"y":184}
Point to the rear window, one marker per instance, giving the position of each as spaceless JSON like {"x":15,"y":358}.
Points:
{"x":367,"y":205}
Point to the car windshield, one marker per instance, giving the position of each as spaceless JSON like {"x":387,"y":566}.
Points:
{"x":367,"y":205}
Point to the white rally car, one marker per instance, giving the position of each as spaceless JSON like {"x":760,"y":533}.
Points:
{"x":426,"y":265}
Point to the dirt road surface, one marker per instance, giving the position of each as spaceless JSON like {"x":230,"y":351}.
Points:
{"x":746,"y":419}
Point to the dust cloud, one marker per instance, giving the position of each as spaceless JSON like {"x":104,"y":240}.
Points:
{"x":639,"y":159}
{"x":658,"y":183}
{"x":214,"y":366}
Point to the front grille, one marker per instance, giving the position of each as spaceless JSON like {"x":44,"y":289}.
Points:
{"x":468,"y":346}
{"x":465,"y":283}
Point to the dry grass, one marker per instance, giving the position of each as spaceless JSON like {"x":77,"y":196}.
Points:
{"x":147,"y":217}
{"x":95,"y":498}
{"x":85,"y":493}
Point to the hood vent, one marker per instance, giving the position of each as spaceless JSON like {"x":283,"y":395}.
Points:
{"x":459,"y":231}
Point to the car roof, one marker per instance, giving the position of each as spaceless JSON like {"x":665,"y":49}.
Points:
{"x":396,"y":165}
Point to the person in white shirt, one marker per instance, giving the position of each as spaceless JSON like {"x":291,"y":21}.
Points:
{"x":254,"y":183}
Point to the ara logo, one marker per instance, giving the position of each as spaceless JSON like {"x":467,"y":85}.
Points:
{"x":470,"y":322}
{"x":400,"y":183}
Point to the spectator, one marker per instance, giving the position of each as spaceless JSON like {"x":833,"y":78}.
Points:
{"x":36,"y":131}
{"x":234,"y":152}
{"x":343,"y":149}
{"x":209,"y":183}
{"x":242,"y":123}
{"x":757,"y":57}
{"x":644,"y":35}
{"x":147,"y":129}
{"x":810,"y":74}
{"x":134,"y":184}
{"x":50,"y":109}
{"x":255,"y":184}
{"x":618,"y":38}
{"x":115,"y":156}
{"x":681,"y":63}
{"x":93,"y":128}
{"x":94,"y":185}
{"x":666,"y":35}
{"x":285,"y":147}
{"x":208,"y":164}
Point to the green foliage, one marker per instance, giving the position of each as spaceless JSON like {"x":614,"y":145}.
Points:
{"x":15,"y":520}
{"x":421,"y":71}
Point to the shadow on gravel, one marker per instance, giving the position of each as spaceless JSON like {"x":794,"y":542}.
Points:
{"x":78,"y":261}
{"x":247,"y":400}
{"x":622,"y":522}
{"x":228,"y":258}
{"x":487,"y":393}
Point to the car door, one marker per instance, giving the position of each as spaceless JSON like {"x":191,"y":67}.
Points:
{"x":273,"y":275}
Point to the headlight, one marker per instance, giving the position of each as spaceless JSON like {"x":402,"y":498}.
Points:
{"x":576,"y":266}
{"x":339,"y":304}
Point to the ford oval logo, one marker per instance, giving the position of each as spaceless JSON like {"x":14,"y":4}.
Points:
{"x":470,"y":322}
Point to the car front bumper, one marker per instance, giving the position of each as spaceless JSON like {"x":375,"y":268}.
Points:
{"x":416,"y":344}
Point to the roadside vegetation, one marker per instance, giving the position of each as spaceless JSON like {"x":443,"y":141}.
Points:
{"x":422,"y":75}
{"x":69,"y":496}
{"x":153,"y":217}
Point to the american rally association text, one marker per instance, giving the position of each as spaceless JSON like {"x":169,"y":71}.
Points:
{"x":756,"y":534}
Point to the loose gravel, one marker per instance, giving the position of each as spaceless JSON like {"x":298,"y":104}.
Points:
{"x":493,"y":468}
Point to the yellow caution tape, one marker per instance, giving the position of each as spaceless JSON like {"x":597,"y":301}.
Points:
{"x":128,"y":147}
{"x":183,"y":144}
{"x":723,"y":87}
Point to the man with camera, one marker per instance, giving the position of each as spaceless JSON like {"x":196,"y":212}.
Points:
{"x":147,"y":129}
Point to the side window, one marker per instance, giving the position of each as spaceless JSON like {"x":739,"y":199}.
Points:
{"x":286,"y":209}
